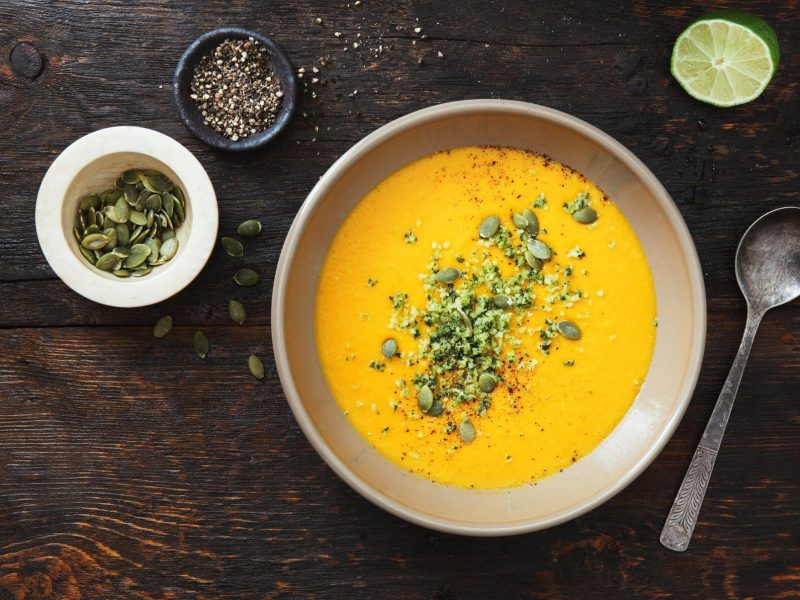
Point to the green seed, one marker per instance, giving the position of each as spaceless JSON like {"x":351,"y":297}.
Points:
{"x":448,"y":275}
{"x":121,"y":273}
{"x":94,"y":241}
{"x":256,"y":366}
{"x":233,"y":246}
{"x":162,"y":327}
{"x":389,"y":348}
{"x":237,"y":312}
{"x":132,"y":176}
{"x":136,"y":259}
{"x":436,"y":409}
{"x":122,"y":210}
{"x":88,"y":254}
{"x":123,"y":234}
{"x":91,"y":229}
{"x":520,"y":222}
{"x":533,"y":262}
{"x":501,"y":301}
{"x":153,"y":202}
{"x":249,"y":228}
{"x":487,"y":382}
{"x":425,"y":398}
{"x":586,"y":215}
{"x":539,"y":249}
{"x":138,"y":218}
{"x":533,"y":223}
{"x":155,"y":249}
{"x":107,"y":262}
{"x":246,"y":277}
{"x":92,"y":200}
{"x":121,"y":252}
{"x":142,"y":271}
{"x":466,"y":430}
{"x":169,"y":249}
{"x":201,"y":344}
{"x":489,"y":227}
{"x":569,"y":330}
{"x":111,"y":234}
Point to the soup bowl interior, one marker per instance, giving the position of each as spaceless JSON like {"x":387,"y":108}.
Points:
{"x":664,"y":395}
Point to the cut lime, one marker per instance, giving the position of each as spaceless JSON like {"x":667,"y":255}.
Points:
{"x":726,"y":57}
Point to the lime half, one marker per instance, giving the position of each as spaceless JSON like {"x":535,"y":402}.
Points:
{"x":726,"y":57}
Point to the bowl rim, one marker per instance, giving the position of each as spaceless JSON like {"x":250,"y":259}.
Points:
{"x":188,"y":113}
{"x":55,"y":243}
{"x":366,"y":145}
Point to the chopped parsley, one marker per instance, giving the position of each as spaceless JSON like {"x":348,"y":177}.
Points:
{"x":409,"y":236}
{"x":581,"y":201}
{"x":371,"y":282}
{"x":540,"y":201}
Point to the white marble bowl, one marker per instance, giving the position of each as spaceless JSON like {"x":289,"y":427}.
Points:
{"x":666,"y":391}
{"x":92,"y":164}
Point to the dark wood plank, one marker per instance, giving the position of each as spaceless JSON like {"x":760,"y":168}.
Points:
{"x":129,"y":468}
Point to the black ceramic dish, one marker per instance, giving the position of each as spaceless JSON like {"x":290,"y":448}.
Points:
{"x":187,"y":109}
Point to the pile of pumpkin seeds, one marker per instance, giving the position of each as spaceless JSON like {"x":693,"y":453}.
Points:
{"x":467,"y":330}
{"x":130,"y":229}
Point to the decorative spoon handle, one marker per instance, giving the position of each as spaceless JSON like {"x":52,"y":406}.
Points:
{"x":683,"y":515}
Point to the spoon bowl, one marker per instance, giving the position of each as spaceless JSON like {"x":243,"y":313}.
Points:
{"x":768,"y":259}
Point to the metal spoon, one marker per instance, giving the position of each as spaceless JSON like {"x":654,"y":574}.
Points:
{"x":768,"y":272}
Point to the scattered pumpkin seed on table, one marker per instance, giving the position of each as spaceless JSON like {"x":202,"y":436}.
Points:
{"x":249,"y":228}
{"x":162,"y":327}
{"x":246,"y":277}
{"x":132,"y":223}
{"x":233,"y":246}
{"x":237,"y":311}
{"x":201,"y":344}
{"x":256,"y":366}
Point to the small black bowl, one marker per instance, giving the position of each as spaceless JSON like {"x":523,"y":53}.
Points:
{"x":187,"y":109}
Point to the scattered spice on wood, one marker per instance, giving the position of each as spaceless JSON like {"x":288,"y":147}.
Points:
{"x":236,"y":89}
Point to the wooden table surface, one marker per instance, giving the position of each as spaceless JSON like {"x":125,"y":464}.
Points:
{"x":129,"y":468}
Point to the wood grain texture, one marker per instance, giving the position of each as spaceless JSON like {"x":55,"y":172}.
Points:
{"x":129,"y":468}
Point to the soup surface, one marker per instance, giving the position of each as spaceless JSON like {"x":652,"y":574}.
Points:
{"x":451,"y":340}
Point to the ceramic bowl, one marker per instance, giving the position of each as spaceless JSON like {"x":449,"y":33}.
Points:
{"x":666,"y":391}
{"x":92,"y":164}
{"x":187,"y":109}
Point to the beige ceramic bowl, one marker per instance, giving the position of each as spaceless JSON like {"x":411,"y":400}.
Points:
{"x":646,"y":427}
{"x":92,"y":164}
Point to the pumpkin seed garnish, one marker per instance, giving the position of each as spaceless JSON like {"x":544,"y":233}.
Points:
{"x":519,"y":221}
{"x":233,"y":246}
{"x":389,"y":348}
{"x":448,"y":275}
{"x":585,"y":216}
{"x":533,"y":262}
{"x":569,"y":330}
{"x":489,"y":227}
{"x":533,"y":223}
{"x":246,"y":277}
{"x":256,"y":366}
{"x":436,"y":409}
{"x":466,"y":430}
{"x":487,"y":383}
{"x":131,"y":223}
{"x":501,"y":301}
{"x":539,"y":249}
{"x":201,"y":344}
{"x":162,"y":327}
{"x":425,"y":398}
{"x":237,"y":312}
{"x":249,"y":228}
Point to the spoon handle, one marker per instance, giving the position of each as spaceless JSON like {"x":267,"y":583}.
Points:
{"x":683,"y":515}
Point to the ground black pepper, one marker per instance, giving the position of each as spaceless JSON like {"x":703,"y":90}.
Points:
{"x":236,"y":89}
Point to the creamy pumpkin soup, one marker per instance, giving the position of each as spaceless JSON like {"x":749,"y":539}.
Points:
{"x":485,"y":317}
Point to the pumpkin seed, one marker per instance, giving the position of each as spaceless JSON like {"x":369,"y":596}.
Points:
{"x":121,"y":273}
{"x":487,"y":383}
{"x":162,"y":327}
{"x":91,"y":216}
{"x":153,"y":202}
{"x":91,"y":229}
{"x":122,"y":210}
{"x":131,"y":195}
{"x":132,"y":176}
{"x":94,"y":241}
{"x":88,"y":254}
{"x":138,"y":218}
{"x":166,"y":235}
{"x":201,"y":344}
{"x":156,"y":182}
{"x":569,"y":330}
{"x":249,"y":228}
{"x":466,"y":430}
{"x":425,"y":398}
{"x":586,"y":215}
{"x":168,"y":202}
{"x":233,"y":246}
{"x":141,"y":272}
{"x":169,"y":249}
{"x":533,"y":223}
{"x":501,"y":301}
{"x":121,"y":252}
{"x":448,"y":275}
{"x":389,"y":348}
{"x":111,"y":234}
{"x":246,"y":277}
{"x":136,"y":258}
{"x":123,"y":234}
{"x":519,"y":221}
{"x":92,"y":200}
{"x":539,"y":249}
{"x":533,"y":262}
{"x":237,"y":312}
{"x":489,"y":227}
{"x":436,"y":409}
{"x":256,"y":366}
{"x":107,"y":262}
{"x":155,"y":249}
